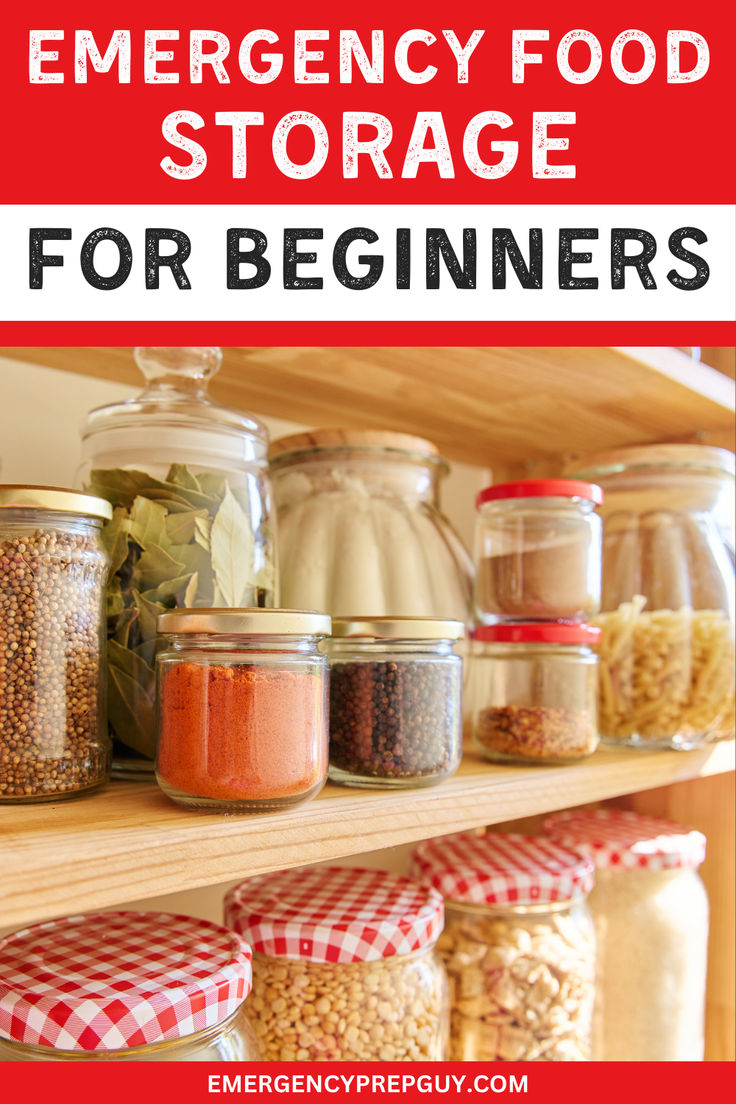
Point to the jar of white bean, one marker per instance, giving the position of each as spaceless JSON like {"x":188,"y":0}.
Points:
{"x":344,"y":967}
{"x":518,"y":946}
{"x":651,"y":915}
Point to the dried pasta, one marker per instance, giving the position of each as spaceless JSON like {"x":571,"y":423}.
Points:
{"x":665,"y":676}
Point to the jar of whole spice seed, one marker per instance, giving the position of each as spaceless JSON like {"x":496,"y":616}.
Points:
{"x":242,"y":707}
{"x":344,"y":967}
{"x":395,"y":701}
{"x":518,"y":946}
{"x":125,"y":986}
{"x":53,"y":570}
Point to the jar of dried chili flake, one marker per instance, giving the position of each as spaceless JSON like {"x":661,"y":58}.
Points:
{"x":242,"y":707}
{"x":532,"y":691}
{"x":395,"y":701}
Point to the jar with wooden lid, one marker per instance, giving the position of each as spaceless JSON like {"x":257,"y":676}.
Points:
{"x":125,"y":986}
{"x":395,"y":701}
{"x":651,"y":915}
{"x":360,"y":527}
{"x":344,"y":967}
{"x":667,"y":643}
{"x":188,"y":480}
{"x":53,"y":570}
{"x":518,"y":945}
{"x":242,"y":708}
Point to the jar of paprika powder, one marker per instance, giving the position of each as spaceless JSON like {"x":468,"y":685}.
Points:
{"x":242,"y":707}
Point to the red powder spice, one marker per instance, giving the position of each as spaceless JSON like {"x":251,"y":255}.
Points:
{"x":241,"y":733}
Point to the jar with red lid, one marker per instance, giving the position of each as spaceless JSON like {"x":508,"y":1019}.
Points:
{"x":518,"y":946}
{"x":125,"y":986}
{"x":538,"y":551}
{"x":650,"y":910}
{"x":532,"y":692}
{"x":344,"y":967}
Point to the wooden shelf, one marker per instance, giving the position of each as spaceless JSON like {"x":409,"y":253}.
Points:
{"x":480,"y":405}
{"x":130,"y":841}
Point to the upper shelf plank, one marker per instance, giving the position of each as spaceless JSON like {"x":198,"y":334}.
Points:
{"x":479,"y":405}
{"x":131,"y":842}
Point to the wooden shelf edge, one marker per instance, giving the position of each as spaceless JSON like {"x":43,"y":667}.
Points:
{"x":130,"y":842}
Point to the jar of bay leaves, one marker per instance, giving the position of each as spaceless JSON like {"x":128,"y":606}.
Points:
{"x":188,"y":482}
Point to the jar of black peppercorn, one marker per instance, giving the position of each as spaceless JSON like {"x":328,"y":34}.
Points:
{"x":395,"y":701}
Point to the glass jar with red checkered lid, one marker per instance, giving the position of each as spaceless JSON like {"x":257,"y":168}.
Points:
{"x":143,"y":986}
{"x":650,"y":910}
{"x":518,"y":945}
{"x":344,"y":967}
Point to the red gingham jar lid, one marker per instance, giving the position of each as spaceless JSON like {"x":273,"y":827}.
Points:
{"x":335,"y":914}
{"x":495,"y":869}
{"x":541,"y":488}
{"x":633,"y":841}
{"x":114,"y":980}
{"x":537,"y":632}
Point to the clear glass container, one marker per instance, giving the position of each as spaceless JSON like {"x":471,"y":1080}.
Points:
{"x":53,"y":570}
{"x":538,"y":551}
{"x":649,"y":899}
{"x":531,"y":692}
{"x":189,"y":483}
{"x":125,"y":986}
{"x":518,"y":946}
{"x":344,"y":966}
{"x":242,"y":708}
{"x":667,"y":653}
{"x":360,"y":528}
{"x":395,"y":701}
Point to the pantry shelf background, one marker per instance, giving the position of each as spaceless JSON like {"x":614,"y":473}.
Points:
{"x":514,"y":411}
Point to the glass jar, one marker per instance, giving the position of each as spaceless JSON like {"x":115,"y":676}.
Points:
{"x":649,"y":901}
{"x":395,"y":701}
{"x":189,"y":483}
{"x":344,"y":966}
{"x":125,"y":986}
{"x":538,"y":551}
{"x":360,"y":527}
{"x":667,"y":652}
{"x":532,"y":692}
{"x":518,"y":946}
{"x":242,"y":708}
{"x":53,"y":569}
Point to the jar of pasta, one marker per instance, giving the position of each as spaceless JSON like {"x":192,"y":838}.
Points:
{"x":344,"y":967}
{"x":138,"y":986}
{"x":649,"y":900}
{"x":242,"y":708}
{"x":518,"y":946}
{"x":667,"y":644}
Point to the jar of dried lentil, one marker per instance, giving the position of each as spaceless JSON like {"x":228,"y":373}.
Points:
{"x":344,"y":967}
{"x":395,"y":701}
{"x":53,"y":570}
{"x":125,"y":986}
{"x":242,"y":708}
{"x":651,"y":915}
{"x":518,"y":946}
{"x":538,"y":551}
{"x":534,"y":692}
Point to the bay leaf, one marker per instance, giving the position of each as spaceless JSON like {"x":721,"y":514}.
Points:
{"x":168,"y":591}
{"x":125,"y":659}
{"x":154,"y":567}
{"x":114,"y":538}
{"x":203,"y":532}
{"x":125,"y":626}
{"x":182,"y":477}
{"x":131,"y":712}
{"x":115,"y":602}
{"x":121,"y":485}
{"x":181,"y":526}
{"x":146,"y":650}
{"x":148,"y":522}
{"x":232,"y":549}
{"x":147,"y":615}
{"x":190,"y":594}
{"x":212,"y":483}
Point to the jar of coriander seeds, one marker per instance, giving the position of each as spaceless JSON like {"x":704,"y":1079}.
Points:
{"x":518,"y":946}
{"x":125,"y":986}
{"x":344,"y":967}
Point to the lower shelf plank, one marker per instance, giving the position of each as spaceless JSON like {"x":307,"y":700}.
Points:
{"x":130,"y":841}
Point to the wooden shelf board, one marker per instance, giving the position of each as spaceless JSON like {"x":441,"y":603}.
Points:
{"x":480,"y":405}
{"x":130,"y":841}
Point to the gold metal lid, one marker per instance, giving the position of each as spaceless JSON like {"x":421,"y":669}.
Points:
{"x":245,"y":622}
{"x":398,"y":628}
{"x":59,"y":499}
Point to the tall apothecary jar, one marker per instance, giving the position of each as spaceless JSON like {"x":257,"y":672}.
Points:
{"x":360,"y":528}
{"x":188,"y":480}
{"x":667,"y":646}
